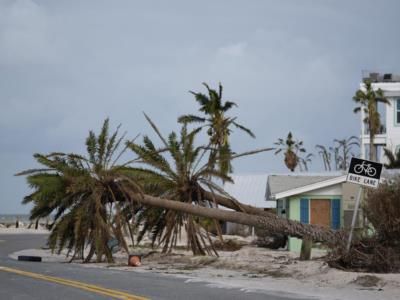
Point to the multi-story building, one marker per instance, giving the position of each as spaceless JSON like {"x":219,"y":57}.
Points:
{"x":389,"y":134}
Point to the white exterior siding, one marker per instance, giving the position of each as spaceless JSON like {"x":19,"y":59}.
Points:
{"x":391,"y":138}
{"x":334,"y":190}
{"x":393,"y":129}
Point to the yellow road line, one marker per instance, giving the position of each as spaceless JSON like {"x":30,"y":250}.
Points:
{"x":80,"y":285}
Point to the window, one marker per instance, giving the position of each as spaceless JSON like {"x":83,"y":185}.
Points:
{"x":398,"y":111}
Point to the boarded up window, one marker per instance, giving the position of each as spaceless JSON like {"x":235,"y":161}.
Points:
{"x":320,"y":212}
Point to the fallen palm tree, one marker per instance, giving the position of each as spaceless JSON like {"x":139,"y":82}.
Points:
{"x":268,"y":221}
{"x":92,"y":199}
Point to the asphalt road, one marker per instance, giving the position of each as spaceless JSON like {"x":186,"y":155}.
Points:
{"x":25,"y":280}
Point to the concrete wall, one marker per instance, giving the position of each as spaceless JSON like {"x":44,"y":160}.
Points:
{"x":349,"y":195}
{"x":294,"y":244}
{"x":349,"y":198}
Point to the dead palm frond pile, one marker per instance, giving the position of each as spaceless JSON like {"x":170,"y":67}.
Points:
{"x":378,"y":249}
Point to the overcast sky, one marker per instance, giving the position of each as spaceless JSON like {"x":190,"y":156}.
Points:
{"x":289,"y":65}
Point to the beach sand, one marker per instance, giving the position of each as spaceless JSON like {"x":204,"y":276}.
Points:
{"x":22,"y":230}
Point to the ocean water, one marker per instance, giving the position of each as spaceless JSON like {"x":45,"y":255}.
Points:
{"x":8,"y":219}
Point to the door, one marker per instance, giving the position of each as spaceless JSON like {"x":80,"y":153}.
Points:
{"x":320,"y":212}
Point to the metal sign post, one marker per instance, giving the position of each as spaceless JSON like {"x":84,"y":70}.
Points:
{"x":353,"y":221}
{"x":364,"y":173}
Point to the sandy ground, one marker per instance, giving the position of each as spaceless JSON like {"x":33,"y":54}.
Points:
{"x":252,"y":268}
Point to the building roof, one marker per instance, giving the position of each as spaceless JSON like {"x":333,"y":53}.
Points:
{"x":262,"y":190}
{"x":381,"y":77}
{"x":391,"y":89}
{"x":250,"y":189}
{"x":278,"y":184}
{"x":310,"y":187}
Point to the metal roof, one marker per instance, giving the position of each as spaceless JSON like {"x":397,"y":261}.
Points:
{"x":281,"y":183}
{"x":310,"y":187}
{"x":250,"y":189}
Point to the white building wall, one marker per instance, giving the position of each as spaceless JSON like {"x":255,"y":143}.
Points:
{"x":392,"y":128}
{"x":391,"y":139}
{"x":334,"y":190}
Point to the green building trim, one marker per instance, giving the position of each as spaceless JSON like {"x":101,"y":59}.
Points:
{"x":294,"y":244}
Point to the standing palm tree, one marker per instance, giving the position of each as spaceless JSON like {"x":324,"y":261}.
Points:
{"x":326,"y":156}
{"x":368,"y":100}
{"x":83,"y":193}
{"x":292,"y":148}
{"x":336,"y":157}
{"x":218,"y":125}
{"x":304,"y":161}
{"x":393,"y":159}
{"x":344,"y":148}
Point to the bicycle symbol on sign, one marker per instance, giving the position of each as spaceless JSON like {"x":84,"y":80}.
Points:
{"x":365,"y":168}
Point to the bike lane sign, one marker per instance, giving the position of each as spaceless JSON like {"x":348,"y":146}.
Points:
{"x":364,"y":172}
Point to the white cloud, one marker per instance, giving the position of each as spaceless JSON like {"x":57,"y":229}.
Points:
{"x":24,"y":33}
{"x":233,"y":50}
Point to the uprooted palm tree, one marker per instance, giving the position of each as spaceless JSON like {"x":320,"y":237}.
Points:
{"x":259,"y":218}
{"x":83,"y":193}
{"x":393,"y":159}
{"x":218,"y":125}
{"x":291,"y":148}
{"x":368,"y":100}
{"x":179,"y":173}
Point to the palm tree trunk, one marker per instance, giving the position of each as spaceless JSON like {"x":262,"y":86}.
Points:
{"x":324,"y":161}
{"x":327,"y":162}
{"x":344,"y":157}
{"x":270,"y":222}
{"x":306,"y":245}
{"x":234,"y":204}
{"x":305,"y":253}
{"x":372,"y":148}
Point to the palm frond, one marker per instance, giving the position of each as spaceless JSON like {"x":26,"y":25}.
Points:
{"x":191,"y":119}
{"x":73,"y":187}
{"x":155,"y":128}
{"x":248,"y":131}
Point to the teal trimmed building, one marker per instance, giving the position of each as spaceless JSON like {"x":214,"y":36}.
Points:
{"x":323,"y":199}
